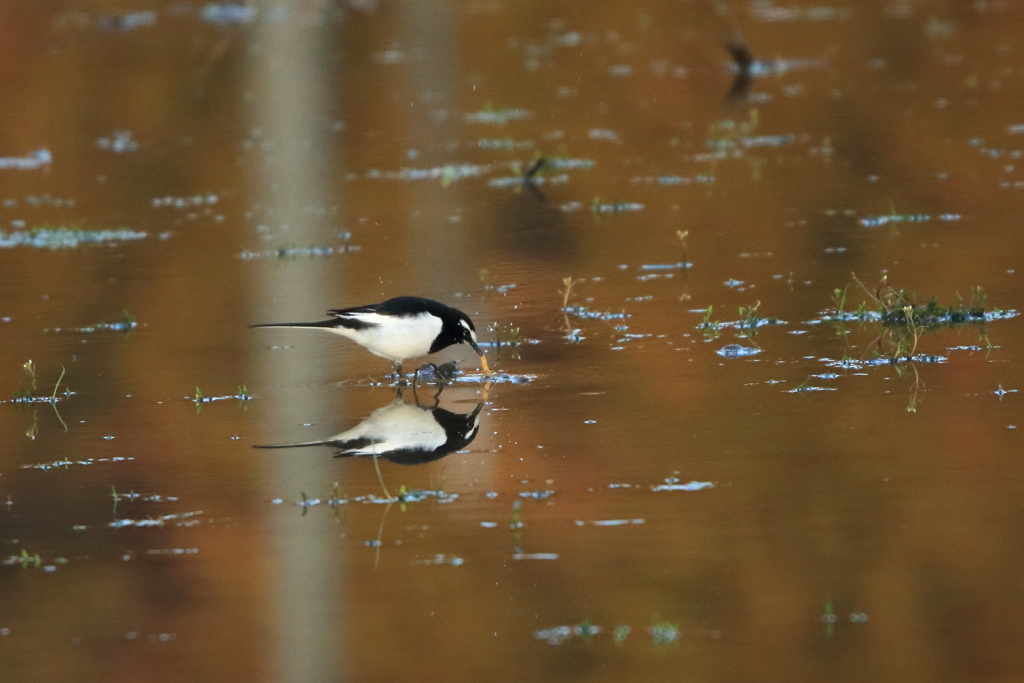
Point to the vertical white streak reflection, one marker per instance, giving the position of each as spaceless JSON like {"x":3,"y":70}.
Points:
{"x":288,"y":187}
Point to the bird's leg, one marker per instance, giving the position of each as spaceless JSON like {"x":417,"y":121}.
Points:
{"x":396,"y":370}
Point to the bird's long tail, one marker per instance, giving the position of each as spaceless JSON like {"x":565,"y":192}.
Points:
{"x":323,"y":323}
{"x":321,"y":442}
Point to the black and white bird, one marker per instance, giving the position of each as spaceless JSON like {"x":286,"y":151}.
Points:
{"x":404,"y":433}
{"x":400,"y":328}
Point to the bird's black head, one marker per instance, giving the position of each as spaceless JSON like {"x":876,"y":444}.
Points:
{"x":460,"y":430}
{"x":456,"y":328}
{"x":467,"y":332}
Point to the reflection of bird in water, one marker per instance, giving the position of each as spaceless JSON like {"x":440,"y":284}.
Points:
{"x":400,"y":328}
{"x":404,"y":433}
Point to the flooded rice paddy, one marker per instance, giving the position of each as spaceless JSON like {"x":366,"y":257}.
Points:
{"x":748,"y":276}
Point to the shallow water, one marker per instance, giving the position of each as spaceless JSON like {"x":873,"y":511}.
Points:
{"x":654,"y":487}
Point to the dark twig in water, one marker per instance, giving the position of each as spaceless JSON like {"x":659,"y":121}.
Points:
{"x":529,"y":181}
{"x":740,"y":54}
{"x":537,"y":165}
{"x":380,"y":530}
{"x":744,"y":60}
{"x":376,"y":466}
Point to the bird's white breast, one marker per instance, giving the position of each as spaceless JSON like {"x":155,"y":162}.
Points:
{"x":395,"y":337}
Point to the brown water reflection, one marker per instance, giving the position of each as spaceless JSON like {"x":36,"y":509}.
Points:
{"x":643,"y":506}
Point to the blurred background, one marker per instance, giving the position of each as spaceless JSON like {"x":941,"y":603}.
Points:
{"x":698,"y":455}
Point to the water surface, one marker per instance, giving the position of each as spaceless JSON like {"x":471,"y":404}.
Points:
{"x":663,"y":489}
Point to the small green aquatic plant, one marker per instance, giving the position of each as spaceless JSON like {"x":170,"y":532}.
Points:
{"x":839,"y":299}
{"x":128,"y":321}
{"x":915,"y":391}
{"x":709,"y":326}
{"x":663,"y":631}
{"x":406,"y":497}
{"x":506,"y":335}
{"x":25,"y":559}
{"x":199,"y":398}
{"x":829,"y":619}
{"x":571,"y":334}
{"x":586,"y":630}
{"x":681,"y":235}
{"x":117,"y":499}
{"x":22,"y":394}
{"x":569,"y":283}
{"x":516,"y":525}
{"x":336,"y":500}
{"x":28,"y":395}
{"x":53,"y":396}
{"x":707,"y":322}
{"x":33,"y":429}
{"x":748,"y":318}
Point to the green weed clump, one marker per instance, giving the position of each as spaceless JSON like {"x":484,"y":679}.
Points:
{"x":748,"y":324}
{"x":898,"y":307}
{"x":28,"y":394}
{"x":903,"y":319}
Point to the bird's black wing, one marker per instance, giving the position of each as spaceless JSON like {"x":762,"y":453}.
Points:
{"x":349,"y":317}
{"x":407,"y":306}
{"x":349,"y":446}
{"x":398,"y":307}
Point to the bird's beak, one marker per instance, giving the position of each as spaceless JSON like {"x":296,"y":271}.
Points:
{"x":483,"y":358}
